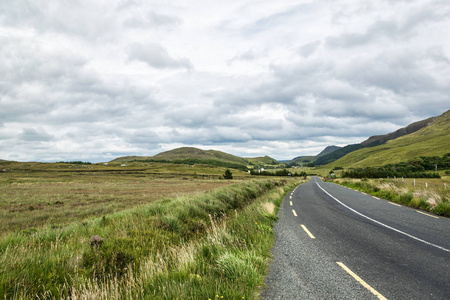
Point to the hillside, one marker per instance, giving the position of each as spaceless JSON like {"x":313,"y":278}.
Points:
{"x":373,"y":141}
{"x":432,"y":140}
{"x":198,"y":154}
{"x":124,"y":159}
{"x":307,"y":159}
{"x":328,"y":150}
{"x":382,"y":139}
{"x":264,"y":160}
{"x":195,"y":155}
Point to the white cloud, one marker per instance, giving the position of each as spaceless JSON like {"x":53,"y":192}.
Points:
{"x":92,"y":81}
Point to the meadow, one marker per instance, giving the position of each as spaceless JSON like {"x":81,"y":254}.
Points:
{"x":151,"y":231}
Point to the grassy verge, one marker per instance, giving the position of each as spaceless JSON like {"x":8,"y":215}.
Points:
{"x":433,"y":197}
{"x":209,"y":245}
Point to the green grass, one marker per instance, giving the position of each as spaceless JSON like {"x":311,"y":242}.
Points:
{"x":186,"y":247}
{"x":429,"y":194}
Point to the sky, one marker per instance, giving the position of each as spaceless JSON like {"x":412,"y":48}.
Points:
{"x":96,"y":80}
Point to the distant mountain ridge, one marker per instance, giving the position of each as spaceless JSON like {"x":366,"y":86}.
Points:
{"x":432,"y":139}
{"x":374,"y":141}
{"x":381,"y":139}
{"x":328,"y":150}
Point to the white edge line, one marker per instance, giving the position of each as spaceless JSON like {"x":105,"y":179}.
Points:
{"x":382,"y":224}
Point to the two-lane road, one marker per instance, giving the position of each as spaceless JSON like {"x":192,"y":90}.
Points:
{"x":335,"y":243}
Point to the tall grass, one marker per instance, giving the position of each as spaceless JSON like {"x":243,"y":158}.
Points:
{"x":195,"y":247}
{"x":434,"y":199}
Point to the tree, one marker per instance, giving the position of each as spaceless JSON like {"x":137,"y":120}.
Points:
{"x":228,"y":174}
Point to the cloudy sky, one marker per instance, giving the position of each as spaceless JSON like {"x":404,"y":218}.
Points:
{"x":94,"y":80}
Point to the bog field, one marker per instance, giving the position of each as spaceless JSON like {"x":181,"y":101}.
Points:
{"x":135,"y":231}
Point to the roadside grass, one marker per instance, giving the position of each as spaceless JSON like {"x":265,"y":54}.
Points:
{"x":191,"y":246}
{"x":432,"y":195}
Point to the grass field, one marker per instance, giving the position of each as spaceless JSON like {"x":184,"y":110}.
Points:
{"x":432,"y":195}
{"x":142,"y":232}
{"x":34,"y":195}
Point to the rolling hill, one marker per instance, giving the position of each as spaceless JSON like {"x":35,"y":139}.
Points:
{"x":431,"y":140}
{"x":193,"y":155}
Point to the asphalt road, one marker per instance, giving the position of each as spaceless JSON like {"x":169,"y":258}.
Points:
{"x":332,"y":242}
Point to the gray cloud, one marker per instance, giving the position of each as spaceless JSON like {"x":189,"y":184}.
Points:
{"x":156,"y":56}
{"x":34,"y":135}
{"x":153,"y":20}
{"x":309,"y":49}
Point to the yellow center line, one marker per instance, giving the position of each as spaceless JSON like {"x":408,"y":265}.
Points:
{"x":362,"y":282}
{"x":427,"y":214}
{"x":307,"y":231}
{"x":293,"y":211}
{"x":394,"y":204}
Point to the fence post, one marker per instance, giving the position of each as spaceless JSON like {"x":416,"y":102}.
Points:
{"x":414,"y":182}
{"x":426,"y":185}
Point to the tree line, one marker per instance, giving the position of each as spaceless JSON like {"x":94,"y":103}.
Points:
{"x":283,"y":172}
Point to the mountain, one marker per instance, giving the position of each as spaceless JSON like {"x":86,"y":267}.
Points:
{"x":261,"y":161}
{"x":307,"y":159}
{"x":193,"y":155}
{"x":199,"y":154}
{"x":335,"y":155}
{"x":328,"y":150}
{"x":382,"y":139}
{"x":373,"y":141}
{"x":431,"y":140}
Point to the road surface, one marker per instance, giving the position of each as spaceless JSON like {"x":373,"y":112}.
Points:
{"x":332,"y":242}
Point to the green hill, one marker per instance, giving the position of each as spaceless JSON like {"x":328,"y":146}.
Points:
{"x":190,"y":155}
{"x":432,"y":140}
{"x":261,"y":161}
{"x":125,"y":159}
{"x":195,"y":153}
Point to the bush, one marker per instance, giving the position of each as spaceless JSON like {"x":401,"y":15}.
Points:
{"x":228,"y":174}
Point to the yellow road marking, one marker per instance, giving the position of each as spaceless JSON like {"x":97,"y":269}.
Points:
{"x":293,"y":211}
{"x":307,"y":231}
{"x":362,"y":282}
{"x":427,"y":214}
{"x":290,"y":202}
{"x":394,"y":204}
